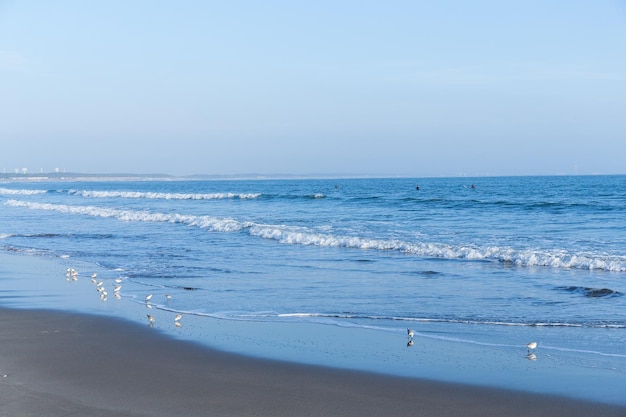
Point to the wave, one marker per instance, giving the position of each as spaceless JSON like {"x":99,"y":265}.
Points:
{"x":189,"y":196}
{"x":163,"y":196}
{"x":8,"y":191}
{"x":144,"y":195}
{"x":307,"y":237}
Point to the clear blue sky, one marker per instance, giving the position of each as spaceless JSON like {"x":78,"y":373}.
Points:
{"x":414,"y":88}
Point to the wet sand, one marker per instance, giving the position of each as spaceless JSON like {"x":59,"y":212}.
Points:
{"x":63,"y":364}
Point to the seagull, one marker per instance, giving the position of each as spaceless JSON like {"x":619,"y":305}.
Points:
{"x":150,"y":319}
{"x":117,"y":288}
{"x":531,"y":346}
{"x":411,"y":333}
{"x":148,"y":297}
{"x":94,"y":275}
{"x":93,"y":281}
{"x":178,"y":317}
{"x":118,"y":280}
{"x":168,"y":296}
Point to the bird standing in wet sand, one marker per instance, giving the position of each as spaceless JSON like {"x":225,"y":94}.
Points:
{"x":410,"y":333}
{"x":531,"y":347}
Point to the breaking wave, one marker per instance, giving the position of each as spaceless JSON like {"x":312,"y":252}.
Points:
{"x":163,"y":196}
{"x":8,"y":191}
{"x":305,"y":236}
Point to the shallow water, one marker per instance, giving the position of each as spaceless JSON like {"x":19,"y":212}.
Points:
{"x":334,"y":271}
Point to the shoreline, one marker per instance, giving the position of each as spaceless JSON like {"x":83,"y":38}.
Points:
{"x":57,"y":363}
{"x":38,"y":286}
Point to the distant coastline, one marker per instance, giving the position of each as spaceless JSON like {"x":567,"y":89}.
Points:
{"x":76,"y":176}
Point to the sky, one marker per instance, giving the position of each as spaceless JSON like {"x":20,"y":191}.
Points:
{"x":342,"y":87}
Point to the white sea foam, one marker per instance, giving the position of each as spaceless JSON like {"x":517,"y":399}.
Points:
{"x":162,"y":196}
{"x":8,"y":191}
{"x":304,"y":236}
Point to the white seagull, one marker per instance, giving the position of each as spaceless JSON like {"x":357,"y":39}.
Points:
{"x":411,"y":333}
{"x":178,"y":317}
{"x":531,"y":346}
{"x":148,"y":297}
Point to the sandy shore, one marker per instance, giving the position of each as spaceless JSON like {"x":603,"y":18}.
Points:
{"x":61,"y":364}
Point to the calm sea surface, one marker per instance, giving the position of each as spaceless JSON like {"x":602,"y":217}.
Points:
{"x":492,"y":262}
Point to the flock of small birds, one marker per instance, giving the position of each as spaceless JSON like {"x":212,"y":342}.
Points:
{"x":72,"y":275}
{"x":151,"y":319}
{"x":530,"y":346}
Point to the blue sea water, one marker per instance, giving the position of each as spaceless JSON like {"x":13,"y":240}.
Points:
{"x":489,"y":263}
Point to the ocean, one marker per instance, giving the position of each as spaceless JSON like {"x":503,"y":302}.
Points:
{"x":334,"y":271}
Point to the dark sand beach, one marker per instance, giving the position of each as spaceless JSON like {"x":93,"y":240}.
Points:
{"x":63,"y":364}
